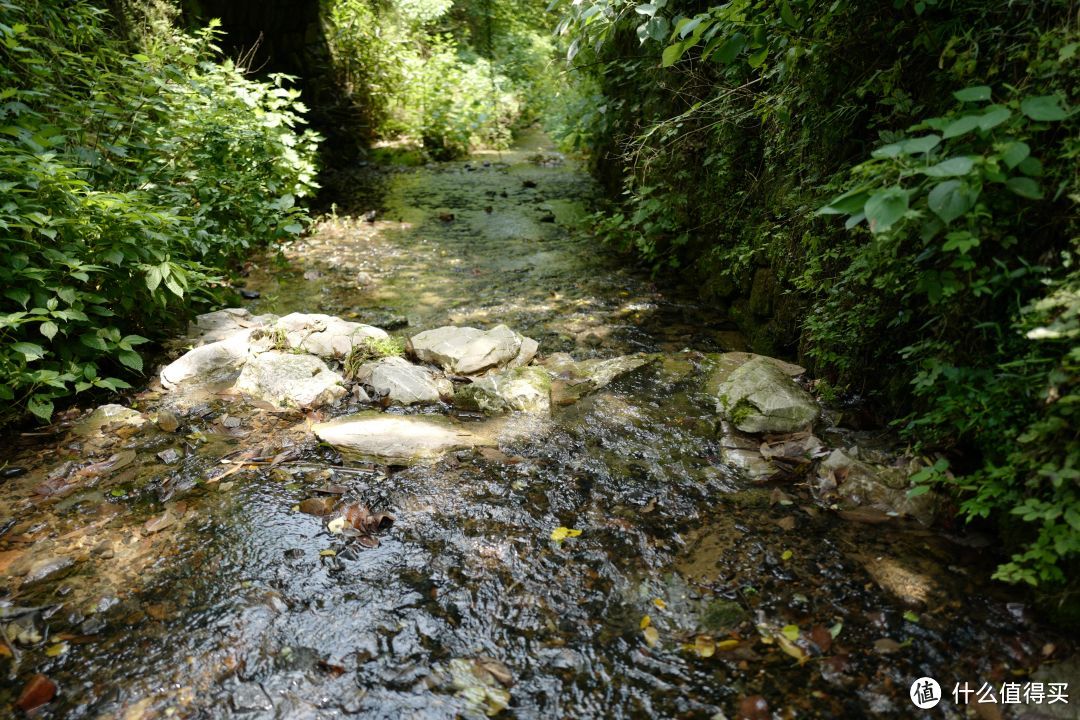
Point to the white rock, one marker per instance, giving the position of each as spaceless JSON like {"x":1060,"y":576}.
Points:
{"x":396,"y":439}
{"x":324,"y":335}
{"x":220,"y":324}
{"x":290,"y":380}
{"x":469,"y":351}
{"x":759,"y":397}
{"x":214,"y":362}
{"x":403,"y":382}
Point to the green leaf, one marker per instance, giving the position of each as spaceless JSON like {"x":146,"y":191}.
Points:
{"x":41,"y":406}
{"x":730,"y":49}
{"x":951,"y":199}
{"x":757,"y":58}
{"x":30,"y":351}
{"x":847,"y":204}
{"x":1044,"y":108}
{"x":174,"y":286}
{"x":131,"y":359}
{"x":293,"y":228}
{"x":49,"y":329}
{"x":134,"y":340}
{"x":977,"y":93}
{"x":1031,"y":167}
{"x":672,"y":53}
{"x":18,"y":295}
{"x":1015,"y":153}
{"x":962,"y":126}
{"x":884,"y":208}
{"x":93,"y":341}
{"x":888,"y":151}
{"x":646,"y":9}
{"x":1025,"y":187}
{"x":950,"y":168}
{"x":153,"y":278}
{"x":788,"y":16}
{"x":994,"y":117}
{"x":924,"y":144}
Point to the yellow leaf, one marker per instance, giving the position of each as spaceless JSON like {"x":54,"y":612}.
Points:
{"x":327,"y":553}
{"x":787,"y":555}
{"x":791,"y":632}
{"x":56,"y":650}
{"x":659,"y":602}
{"x":646,"y":621}
{"x":561,"y":533}
{"x":725,"y":645}
{"x":792,"y":649}
{"x":704,"y":646}
{"x":651,"y":636}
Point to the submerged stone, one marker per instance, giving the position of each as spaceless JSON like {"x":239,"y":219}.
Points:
{"x":396,"y":439}
{"x":107,"y":415}
{"x":214,"y":362}
{"x":575,"y":379}
{"x":524,"y":388}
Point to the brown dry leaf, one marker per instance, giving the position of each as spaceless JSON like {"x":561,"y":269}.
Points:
{"x":318,"y":506}
{"x":159,"y":523}
{"x":39,"y":691}
{"x":886,"y":646}
{"x":821,"y":637}
{"x":869,"y":516}
{"x":498,"y":670}
{"x":787,"y":523}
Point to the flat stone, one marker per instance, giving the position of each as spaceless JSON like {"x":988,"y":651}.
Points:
{"x":108,"y":415}
{"x":574,"y":379}
{"x":402,"y":382}
{"x":396,"y":439}
{"x":469,"y":351}
{"x":524,"y":389}
{"x":214,"y":362}
{"x":290,"y":380}
{"x":760,"y":397}
{"x":323,"y":335}
{"x":220,"y":324}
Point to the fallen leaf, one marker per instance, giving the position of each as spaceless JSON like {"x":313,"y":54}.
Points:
{"x":56,"y":650}
{"x":791,"y":632}
{"x":787,"y":555}
{"x":821,"y":637}
{"x":792,"y":649}
{"x":561,"y":533}
{"x":498,"y":670}
{"x":835,"y":629}
{"x":725,"y":645}
{"x":39,"y":691}
{"x":753,"y":707}
{"x":911,"y":616}
{"x":646,"y":621}
{"x":327,"y":553}
{"x":318,"y":506}
{"x":159,"y":523}
{"x":652,"y":636}
{"x":705,"y":646}
{"x":659,"y":602}
{"x":886,"y":646}
{"x":787,"y":523}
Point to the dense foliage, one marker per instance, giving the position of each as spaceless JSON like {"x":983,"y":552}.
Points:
{"x":944,"y":132}
{"x":128,"y":174}
{"x":452,"y":76}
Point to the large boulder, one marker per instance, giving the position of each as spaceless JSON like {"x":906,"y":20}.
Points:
{"x":759,"y":397}
{"x":522,"y":388}
{"x":215,"y":362}
{"x":323,"y":335}
{"x":574,"y":379}
{"x":220,"y":324}
{"x":396,"y":439}
{"x":289,"y":380}
{"x":856,"y":483}
{"x":402,"y":382}
{"x":470,"y":351}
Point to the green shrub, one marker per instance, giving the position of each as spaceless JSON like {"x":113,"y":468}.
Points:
{"x":126,"y":178}
{"x":945,"y":130}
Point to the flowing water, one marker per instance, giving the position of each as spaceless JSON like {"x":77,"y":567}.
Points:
{"x":164,"y":589}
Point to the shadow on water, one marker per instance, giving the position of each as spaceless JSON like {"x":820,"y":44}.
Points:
{"x":687,"y":593}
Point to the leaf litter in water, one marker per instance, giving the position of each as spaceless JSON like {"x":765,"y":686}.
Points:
{"x":361,"y":523}
{"x":561,"y":533}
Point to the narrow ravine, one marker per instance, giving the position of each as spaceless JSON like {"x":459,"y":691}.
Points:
{"x":601,"y":561}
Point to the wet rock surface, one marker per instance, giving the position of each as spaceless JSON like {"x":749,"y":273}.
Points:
{"x":605,"y":557}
